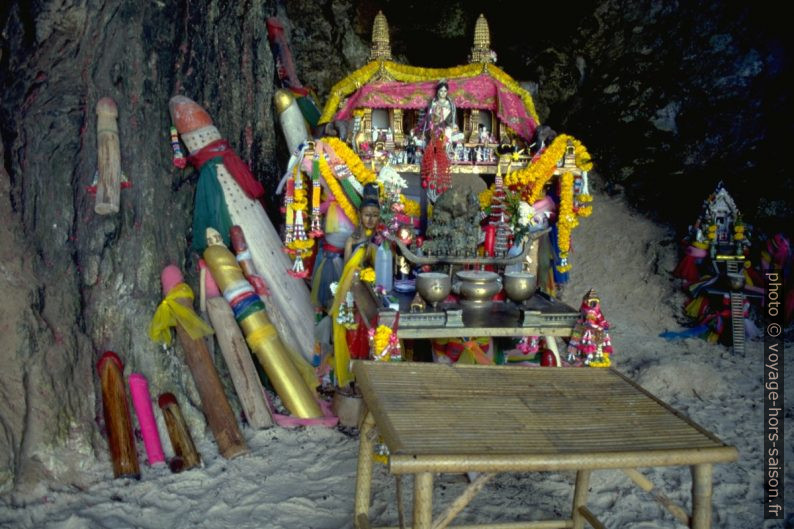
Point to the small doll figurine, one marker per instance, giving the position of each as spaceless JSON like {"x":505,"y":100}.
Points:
{"x":590,"y":343}
{"x":369,"y":216}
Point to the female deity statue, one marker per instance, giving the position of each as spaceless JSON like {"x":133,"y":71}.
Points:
{"x":439,"y":125}
{"x":441,"y":112}
{"x":349,"y":331}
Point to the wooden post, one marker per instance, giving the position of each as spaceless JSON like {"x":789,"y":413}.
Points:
{"x":241,"y":366}
{"x":423,"y":500}
{"x":185,"y":454}
{"x":364,"y":471}
{"x":580,"y":497}
{"x":117,"y":417}
{"x":701,"y":496}
{"x":108,"y":185}
{"x":214,"y":403}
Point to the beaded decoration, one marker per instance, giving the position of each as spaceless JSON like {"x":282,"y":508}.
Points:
{"x":179,"y":157}
{"x":316,"y":229}
{"x":297,"y":243}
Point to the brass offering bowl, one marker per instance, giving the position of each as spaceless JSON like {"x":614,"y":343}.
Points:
{"x":519,"y":286}
{"x":433,"y":287}
{"x":477,"y":287}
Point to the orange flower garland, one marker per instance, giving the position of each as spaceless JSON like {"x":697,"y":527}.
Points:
{"x":566,"y":221}
{"x":336,"y":191}
{"x":531,"y":180}
{"x":351,"y":159}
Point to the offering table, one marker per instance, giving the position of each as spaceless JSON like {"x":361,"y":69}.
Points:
{"x":541,"y":315}
{"x":437,"y":418}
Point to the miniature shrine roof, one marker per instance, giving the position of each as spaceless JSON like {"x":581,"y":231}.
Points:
{"x":383,"y":83}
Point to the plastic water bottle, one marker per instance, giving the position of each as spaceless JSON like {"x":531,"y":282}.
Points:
{"x":384,"y":273}
{"x":515,"y":251}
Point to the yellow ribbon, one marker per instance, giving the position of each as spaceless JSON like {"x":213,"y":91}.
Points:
{"x":171,"y":313}
{"x":305,"y":370}
{"x":341,"y":350}
{"x":261,"y":334}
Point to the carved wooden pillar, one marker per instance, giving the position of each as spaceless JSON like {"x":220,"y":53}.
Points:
{"x":366,"y":122}
{"x":396,"y":120}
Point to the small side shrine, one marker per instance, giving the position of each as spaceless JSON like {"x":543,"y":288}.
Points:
{"x":716,"y":270}
{"x":435,"y":206}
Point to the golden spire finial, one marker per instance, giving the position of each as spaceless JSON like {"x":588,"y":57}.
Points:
{"x":481,"y":51}
{"x":381,"y":48}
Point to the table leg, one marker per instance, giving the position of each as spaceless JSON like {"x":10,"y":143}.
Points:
{"x":580,"y":497}
{"x":423,"y":500}
{"x":701,"y":496}
{"x":364,"y":471}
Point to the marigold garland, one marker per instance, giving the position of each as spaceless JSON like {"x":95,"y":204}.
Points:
{"x":583,"y":160}
{"x":301,"y":244}
{"x":351,"y":159}
{"x":485,"y":197}
{"x":297,"y":243}
{"x":410,"y":207}
{"x":367,"y":275}
{"x":382,"y":335}
{"x":531,"y":180}
{"x":605,"y":362}
{"x":336,"y":191}
{"x":566,"y":221}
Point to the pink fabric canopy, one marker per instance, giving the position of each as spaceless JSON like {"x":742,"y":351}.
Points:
{"x":482,"y":92}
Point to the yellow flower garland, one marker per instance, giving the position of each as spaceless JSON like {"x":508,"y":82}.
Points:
{"x":531,"y":180}
{"x":606,"y":362}
{"x":485,"y":197}
{"x":567,"y":220}
{"x":536,"y":175}
{"x":300,"y":201}
{"x":411,"y":207}
{"x":382,"y":335}
{"x":351,"y":159}
{"x":336,"y":191}
{"x":583,"y":160}
{"x":367,"y":275}
{"x":406,"y":73}
{"x":303,"y":245}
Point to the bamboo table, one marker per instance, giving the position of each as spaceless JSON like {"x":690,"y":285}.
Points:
{"x":437,"y":418}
